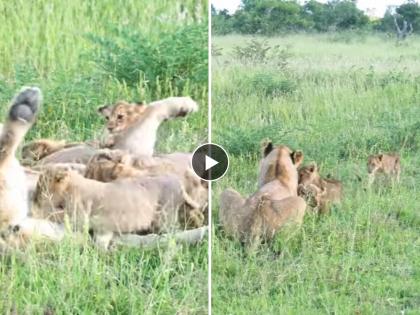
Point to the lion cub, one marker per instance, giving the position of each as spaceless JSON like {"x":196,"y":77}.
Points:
{"x":322,"y":192}
{"x":128,"y":205}
{"x":110,"y":165}
{"x":131,"y":124}
{"x":389,"y":164}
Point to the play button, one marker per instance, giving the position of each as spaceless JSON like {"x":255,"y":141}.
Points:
{"x":210,"y":161}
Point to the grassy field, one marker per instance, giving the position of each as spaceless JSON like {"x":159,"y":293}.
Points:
{"x":339,"y":99}
{"x":54,"y":45}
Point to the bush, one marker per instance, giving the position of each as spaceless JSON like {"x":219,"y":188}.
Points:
{"x":271,"y":85}
{"x":178,"y":59}
{"x":259,"y":51}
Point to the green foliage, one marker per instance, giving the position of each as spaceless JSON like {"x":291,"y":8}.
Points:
{"x":269,"y":17}
{"x":260,"y":51}
{"x":177,"y":59}
{"x":43,"y":43}
{"x":271,"y":84}
{"x":350,"y":101}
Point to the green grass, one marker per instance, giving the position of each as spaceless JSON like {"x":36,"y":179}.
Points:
{"x":350,"y":100}
{"x":48,"y":44}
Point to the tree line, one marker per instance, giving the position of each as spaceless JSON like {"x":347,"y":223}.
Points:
{"x":270,"y":17}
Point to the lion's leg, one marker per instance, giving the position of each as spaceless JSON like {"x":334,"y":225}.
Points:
{"x":22,"y":114}
{"x":30,"y":228}
{"x":371,"y":178}
{"x":103,"y":239}
{"x":232,"y":212}
{"x":173,"y":107}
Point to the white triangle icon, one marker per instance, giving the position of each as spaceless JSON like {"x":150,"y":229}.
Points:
{"x":210,"y":163}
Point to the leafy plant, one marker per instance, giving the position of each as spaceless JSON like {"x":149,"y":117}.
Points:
{"x":178,"y":59}
{"x":260,"y":51}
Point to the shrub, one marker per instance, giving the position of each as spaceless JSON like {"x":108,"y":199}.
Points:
{"x":259,"y":51}
{"x":178,"y":59}
{"x":270,"y":84}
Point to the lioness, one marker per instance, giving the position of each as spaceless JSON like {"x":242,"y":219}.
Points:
{"x":14,"y":204}
{"x":273,"y":206}
{"x":323,"y":191}
{"x":130,"y":205}
{"x":389,"y":164}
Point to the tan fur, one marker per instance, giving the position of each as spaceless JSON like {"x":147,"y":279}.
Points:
{"x":39,"y":149}
{"x":121,"y":115}
{"x":132,"y":128}
{"x":389,"y":164}
{"x":131,"y":125}
{"x":323,"y":192}
{"x":274,"y":206}
{"x":109,"y":165}
{"x":127,"y":205}
{"x":14,"y":204}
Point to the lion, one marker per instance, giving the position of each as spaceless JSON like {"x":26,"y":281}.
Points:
{"x":132,"y":127}
{"x":14,"y":194}
{"x":109,"y":165}
{"x":132,"y":124}
{"x":38,"y":149}
{"x":322,"y":191}
{"x":128,"y":205}
{"x":274,"y":206}
{"x":389,"y":164}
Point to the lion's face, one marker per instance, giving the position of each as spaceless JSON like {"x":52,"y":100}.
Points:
{"x":121,"y":115}
{"x":374,"y":163}
{"x":36,"y":150}
{"x":52,"y":189}
{"x":308,"y":174}
{"x":312,"y":194}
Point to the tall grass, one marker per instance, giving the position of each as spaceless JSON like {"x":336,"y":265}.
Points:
{"x":351,"y":100}
{"x":48,"y":44}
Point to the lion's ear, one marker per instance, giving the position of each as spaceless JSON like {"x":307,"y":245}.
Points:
{"x":297,"y":157}
{"x":266,"y":147}
{"x":313,"y":167}
{"x":105,"y":110}
{"x":380,"y":157}
{"x":61,"y":175}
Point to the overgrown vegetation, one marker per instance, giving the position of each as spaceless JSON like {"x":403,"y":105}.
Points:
{"x":175,"y":60}
{"x":349,"y":101}
{"x":50,"y":44}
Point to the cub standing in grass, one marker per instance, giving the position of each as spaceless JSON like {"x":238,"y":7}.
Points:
{"x":389,"y":164}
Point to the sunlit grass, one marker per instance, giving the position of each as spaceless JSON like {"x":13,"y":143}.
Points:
{"x":351,"y":100}
{"x":45,"y":43}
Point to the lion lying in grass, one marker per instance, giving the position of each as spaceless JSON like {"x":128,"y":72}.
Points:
{"x":128,"y":125}
{"x":129,"y":205}
{"x":109,"y":165}
{"x":275,"y":204}
{"x":14,"y":201}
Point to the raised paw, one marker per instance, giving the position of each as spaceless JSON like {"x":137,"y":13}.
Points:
{"x":25,"y":105}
